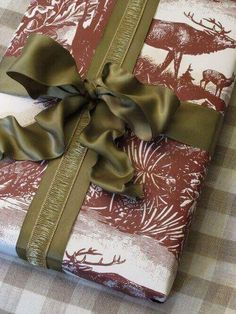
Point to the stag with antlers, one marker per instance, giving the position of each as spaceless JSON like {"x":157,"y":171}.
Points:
{"x":182,"y":39}
{"x":80,"y":260}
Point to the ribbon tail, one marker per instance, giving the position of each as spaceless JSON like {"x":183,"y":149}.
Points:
{"x":35,"y":142}
{"x":45,"y":68}
{"x":42,"y":140}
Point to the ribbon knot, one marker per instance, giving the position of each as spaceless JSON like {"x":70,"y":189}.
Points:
{"x":113,"y":101}
{"x":91,"y":89}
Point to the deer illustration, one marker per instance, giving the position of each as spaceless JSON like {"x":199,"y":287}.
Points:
{"x":217,"y":79}
{"x":182,"y":39}
{"x":80,"y":260}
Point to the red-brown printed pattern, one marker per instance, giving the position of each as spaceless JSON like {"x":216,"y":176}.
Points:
{"x":180,"y":39}
{"x":172,"y":173}
{"x":57,"y":18}
{"x":171,"y":188}
{"x":46,"y":17}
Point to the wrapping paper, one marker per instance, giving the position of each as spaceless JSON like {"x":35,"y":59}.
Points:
{"x":131,"y":246}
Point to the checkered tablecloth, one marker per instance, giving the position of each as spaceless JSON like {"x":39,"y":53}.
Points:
{"x":206,"y":281}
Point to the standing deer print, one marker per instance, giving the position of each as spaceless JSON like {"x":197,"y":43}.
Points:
{"x":182,"y":39}
{"x":216,"y":78}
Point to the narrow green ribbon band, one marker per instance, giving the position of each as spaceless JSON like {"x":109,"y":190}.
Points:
{"x":114,"y":101}
{"x":52,"y":213}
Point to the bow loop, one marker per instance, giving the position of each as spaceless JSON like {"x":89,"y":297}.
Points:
{"x":147,"y":110}
{"x":45,"y":68}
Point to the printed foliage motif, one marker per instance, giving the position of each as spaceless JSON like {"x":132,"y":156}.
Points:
{"x":170,"y":187}
{"x":89,"y":34}
{"x":21,"y":177}
{"x":46,"y":17}
{"x":50,"y":17}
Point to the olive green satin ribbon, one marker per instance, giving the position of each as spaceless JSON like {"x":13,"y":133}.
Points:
{"x":113,"y":101}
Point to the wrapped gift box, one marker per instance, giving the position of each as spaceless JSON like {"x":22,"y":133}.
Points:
{"x":133,"y":246}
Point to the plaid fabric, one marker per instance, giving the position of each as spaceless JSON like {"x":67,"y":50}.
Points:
{"x":206,"y":281}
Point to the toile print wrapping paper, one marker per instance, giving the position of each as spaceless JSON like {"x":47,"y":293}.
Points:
{"x":132,"y":246}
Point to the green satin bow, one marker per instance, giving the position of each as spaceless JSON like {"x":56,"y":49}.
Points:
{"x":114,"y":100}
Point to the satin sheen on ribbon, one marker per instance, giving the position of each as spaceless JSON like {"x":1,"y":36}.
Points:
{"x":57,"y":203}
{"x":113,"y":101}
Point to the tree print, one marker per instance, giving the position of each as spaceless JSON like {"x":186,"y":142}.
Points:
{"x":47,"y":17}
